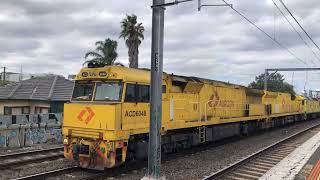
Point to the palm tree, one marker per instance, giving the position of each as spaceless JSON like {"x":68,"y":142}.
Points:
{"x":105,"y":53}
{"x":132,"y":33}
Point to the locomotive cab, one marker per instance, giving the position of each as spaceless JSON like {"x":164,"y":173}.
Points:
{"x":105,"y":103}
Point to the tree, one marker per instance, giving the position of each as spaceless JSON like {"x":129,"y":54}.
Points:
{"x":3,"y":83}
{"x":275,"y":83}
{"x":105,"y":53}
{"x":132,"y":33}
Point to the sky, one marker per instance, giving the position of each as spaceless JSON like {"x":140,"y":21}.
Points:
{"x":45,"y":36}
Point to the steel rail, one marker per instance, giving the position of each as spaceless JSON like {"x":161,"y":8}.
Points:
{"x":30,"y":152}
{"x":47,"y":174}
{"x":245,"y":160}
{"x":30,"y":157}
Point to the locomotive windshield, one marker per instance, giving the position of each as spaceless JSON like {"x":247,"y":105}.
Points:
{"x":109,"y":91}
{"x":104,"y":91}
{"x":82,"y":91}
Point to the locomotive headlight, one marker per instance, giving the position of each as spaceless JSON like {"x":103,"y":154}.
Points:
{"x":65,"y":141}
{"x":103,"y":73}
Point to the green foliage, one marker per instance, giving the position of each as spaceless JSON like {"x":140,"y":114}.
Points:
{"x":276,"y":83}
{"x":132,"y":33}
{"x":105,"y":53}
{"x":3,"y":83}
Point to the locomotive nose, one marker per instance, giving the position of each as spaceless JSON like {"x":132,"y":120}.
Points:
{"x":101,"y":116}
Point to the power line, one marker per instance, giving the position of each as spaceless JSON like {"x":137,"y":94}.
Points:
{"x":299,"y":24}
{"x":251,"y":22}
{"x":296,"y":31}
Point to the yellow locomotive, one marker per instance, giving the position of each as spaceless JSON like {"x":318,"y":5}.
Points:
{"x":107,"y":120}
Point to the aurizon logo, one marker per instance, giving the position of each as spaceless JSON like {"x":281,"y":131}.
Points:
{"x":86,"y":115}
{"x":214,"y":99}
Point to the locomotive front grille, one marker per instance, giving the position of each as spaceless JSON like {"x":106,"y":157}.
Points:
{"x":84,"y":133}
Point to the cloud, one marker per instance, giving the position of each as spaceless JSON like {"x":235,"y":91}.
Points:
{"x":216,"y":43}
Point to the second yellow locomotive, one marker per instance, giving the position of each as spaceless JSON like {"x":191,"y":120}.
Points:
{"x":107,"y":121}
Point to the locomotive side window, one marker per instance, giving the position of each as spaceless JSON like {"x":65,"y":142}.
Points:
{"x":144,"y":94}
{"x":137,"y":93}
{"x":82,"y":91}
{"x":130,"y":93}
{"x":164,"y":89}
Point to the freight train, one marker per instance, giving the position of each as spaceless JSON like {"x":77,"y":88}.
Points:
{"x":107,"y":121}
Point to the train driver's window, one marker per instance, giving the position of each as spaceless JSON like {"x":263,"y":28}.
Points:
{"x":130,"y":93}
{"x":144,"y":93}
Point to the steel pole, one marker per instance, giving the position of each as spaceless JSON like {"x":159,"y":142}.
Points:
{"x":154,"y":153}
{"x":266,"y":80}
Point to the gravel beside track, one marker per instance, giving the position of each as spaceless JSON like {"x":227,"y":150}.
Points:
{"x":256,"y":165}
{"x":200,"y":164}
{"x":22,"y":163}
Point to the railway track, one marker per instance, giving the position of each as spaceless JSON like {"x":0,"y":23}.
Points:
{"x":257,"y":164}
{"x":260,"y":167}
{"x":76,"y":172}
{"x":27,"y":157}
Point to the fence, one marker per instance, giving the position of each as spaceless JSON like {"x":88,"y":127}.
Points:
{"x":26,"y":130}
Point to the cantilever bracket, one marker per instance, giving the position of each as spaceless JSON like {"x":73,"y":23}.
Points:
{"x":208,"y":5}
{"x":176,"y":2}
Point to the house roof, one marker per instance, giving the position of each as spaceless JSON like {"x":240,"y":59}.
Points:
{"x":50,"y":88}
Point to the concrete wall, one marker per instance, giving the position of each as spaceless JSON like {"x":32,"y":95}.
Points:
{"x":21,"y":103}
{"x":27,"y":130}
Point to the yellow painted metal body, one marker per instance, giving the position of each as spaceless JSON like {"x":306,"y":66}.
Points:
{"x":106,"y":127}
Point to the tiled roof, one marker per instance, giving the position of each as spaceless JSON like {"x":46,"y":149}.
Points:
{"x":51,"y":87}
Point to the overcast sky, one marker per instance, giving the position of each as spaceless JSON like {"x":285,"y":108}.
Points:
{"x":53,"y":36}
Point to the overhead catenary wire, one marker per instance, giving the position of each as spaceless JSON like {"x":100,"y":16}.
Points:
{"x":291,"y":14}
{"x":316,"y":56}
{"x":269,"y":36}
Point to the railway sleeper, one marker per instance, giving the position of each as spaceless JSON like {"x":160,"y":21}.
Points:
{"x":266,"y":161}
{"x":250,"y":172}
{"x":234,"y":178}
{"x":244,"y":175}
{"x":266,"y":165}
{"x":272,"y":158}
{"x":255,"y":168}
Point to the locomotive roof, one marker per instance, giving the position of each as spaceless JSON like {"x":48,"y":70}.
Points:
{"x":143,"y":75}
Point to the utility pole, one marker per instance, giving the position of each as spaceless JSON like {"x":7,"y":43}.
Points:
{"x":4,"y":73}
{"x":154,"y":153}
{"x":20,"y":76}
{"x":275,"y":70}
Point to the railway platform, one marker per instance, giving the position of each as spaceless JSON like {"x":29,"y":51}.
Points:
{"x":311,"y":170}
{"x":303,"y":163}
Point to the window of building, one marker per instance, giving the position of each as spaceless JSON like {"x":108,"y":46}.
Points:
{"x":25,"y":110}
{"x":7,"y":110}
{"x":41,"y":110}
